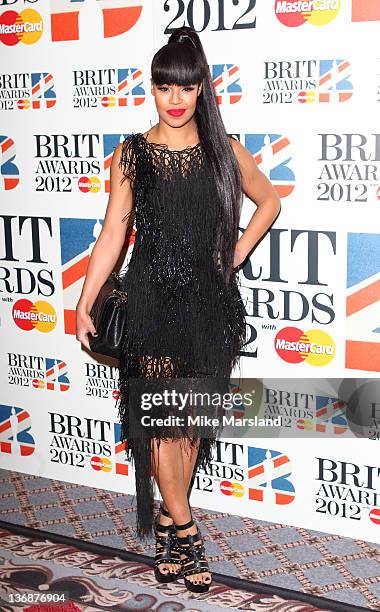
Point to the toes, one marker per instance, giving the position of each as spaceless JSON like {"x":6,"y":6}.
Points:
{"x":201,"y":578}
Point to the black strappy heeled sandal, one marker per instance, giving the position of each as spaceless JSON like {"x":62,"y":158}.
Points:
{"x":195,"y":562}
{"x":166,"y":550}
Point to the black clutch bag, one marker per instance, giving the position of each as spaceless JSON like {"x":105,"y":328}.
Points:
{"x":108,"y":315}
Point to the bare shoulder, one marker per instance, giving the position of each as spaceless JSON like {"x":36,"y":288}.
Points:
{"x":240,"y":150}
{"x":117,"y":151}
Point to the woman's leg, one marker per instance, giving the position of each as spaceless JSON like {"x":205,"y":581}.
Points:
{"x":173,"y":462}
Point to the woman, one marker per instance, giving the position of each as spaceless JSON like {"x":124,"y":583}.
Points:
{"x":182,"y":182}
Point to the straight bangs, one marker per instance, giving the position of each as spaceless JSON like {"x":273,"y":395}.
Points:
{"x":177,"y":64}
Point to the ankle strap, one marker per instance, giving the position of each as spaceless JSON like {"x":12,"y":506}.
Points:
{"x":164,"y":512}
{"x":163,"y":528}
{"x":191,"y":539}
{"x":185,"y":526}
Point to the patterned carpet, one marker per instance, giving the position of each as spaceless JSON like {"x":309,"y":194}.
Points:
{"x":92,"y":581}
{"x":266,"y":555}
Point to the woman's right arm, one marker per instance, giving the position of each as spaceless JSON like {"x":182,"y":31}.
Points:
{"x":107,"y":248}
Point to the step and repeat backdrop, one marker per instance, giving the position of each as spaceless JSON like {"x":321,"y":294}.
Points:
{"x":298,"y":83}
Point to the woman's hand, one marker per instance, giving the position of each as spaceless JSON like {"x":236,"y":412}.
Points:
{"x":239,"y":256}
{"x":84,"y":325}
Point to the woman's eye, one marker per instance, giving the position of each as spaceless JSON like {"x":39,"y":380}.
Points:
{"x":163,"y":88}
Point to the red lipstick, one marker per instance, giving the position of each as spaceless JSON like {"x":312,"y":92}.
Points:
{"x":176,"y":112}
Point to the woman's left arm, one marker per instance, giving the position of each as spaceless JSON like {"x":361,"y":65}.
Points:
{"x":261,"y":191}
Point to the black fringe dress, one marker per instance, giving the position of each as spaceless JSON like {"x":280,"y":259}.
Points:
{"x":183,"y":321}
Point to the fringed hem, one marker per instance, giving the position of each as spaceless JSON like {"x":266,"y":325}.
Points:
{"x":183,"y":320}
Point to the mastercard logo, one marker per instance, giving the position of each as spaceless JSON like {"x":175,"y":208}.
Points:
{"x":101,"y":464}
{"x":306,"y":97}
{"x":39,"y":315}
{"x":108,"y":101}
{"x":234,"y":489}
{"x":374,"y":515}
{"x":23,"y":104}
{"x":38,"y":383}
{"x":295,"y":13}
{"x":89,"y":184}
{"x":26,"y":27}
{"x":314,"y":346}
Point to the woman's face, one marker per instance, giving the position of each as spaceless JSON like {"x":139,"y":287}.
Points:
{"x":176,"y":103}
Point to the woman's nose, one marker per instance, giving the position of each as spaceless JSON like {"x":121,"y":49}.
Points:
{"x":175,"y":97}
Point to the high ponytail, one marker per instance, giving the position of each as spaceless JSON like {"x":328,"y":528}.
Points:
{"x":183,"y":61}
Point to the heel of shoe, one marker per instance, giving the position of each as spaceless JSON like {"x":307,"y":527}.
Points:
{"x":195,"y":561}
{"x":166,"y":551}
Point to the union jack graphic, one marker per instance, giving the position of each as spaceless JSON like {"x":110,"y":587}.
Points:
{"x":56,"y":378}
{"x":121,"y":464}
{"x":42,"y":90}
{"x":15,"y":426}
{"x":365,"y":10}
{"x":271,"y":153}
{"x":110,"y":141}
{"x":363,"y":302}
{"x":238,"y":409}
{"x":129,"y":87}
{"x":78,"y":237}
{"x":268,"y":475}
{"x":118,"y":17}
{"x":334,"y":83}
{"x":329,"y":412}
{"x":9,"y":173}
{"x":226,"y":83}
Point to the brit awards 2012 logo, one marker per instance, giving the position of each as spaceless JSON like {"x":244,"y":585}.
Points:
{"x":108,"y":87}
{"x":272,"y":294}
{"x":9,"y":172}
{"x":363,"y":302}
{"x":306,"y":81}
{"x":74,"y":19}
{"x":15,"y":431}
{"x":347,"y":490}
{"x":27,"y":271}
{"x":306,"y":413}
{"x":65,"y":162}
{"x":70,"y":162}
{"x":225,"y":473}
{"x":38,"y":372}
{"x":87,"y":443}
{"x":101,"y":380}
{"x":348,"y":168}
{"x":27,"y":90}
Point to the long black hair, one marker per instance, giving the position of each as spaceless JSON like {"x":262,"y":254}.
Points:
{"x":182,"y":61}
